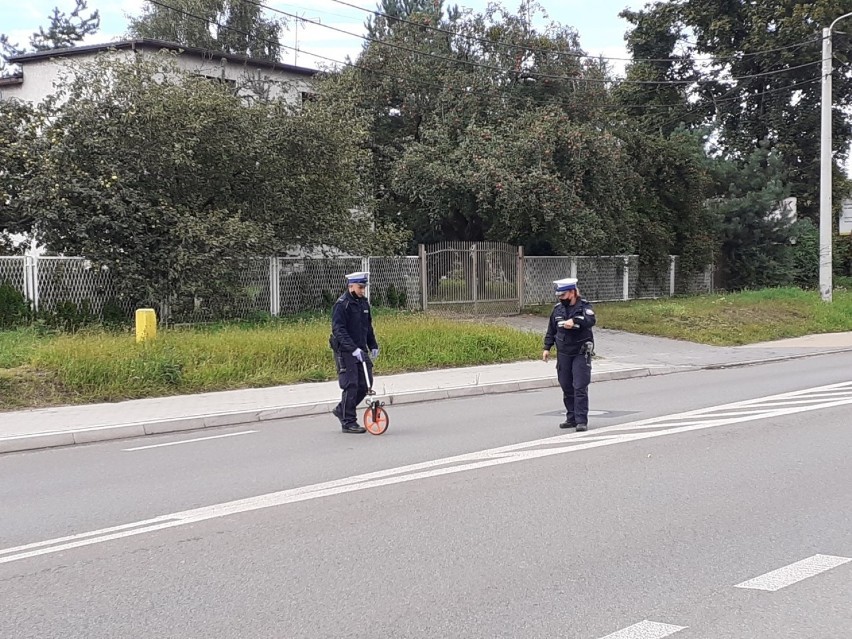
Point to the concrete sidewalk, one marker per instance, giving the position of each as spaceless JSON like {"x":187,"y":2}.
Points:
{"x":634,"y":349}
{"x":68,"y":425}
{"x":621,"y":356}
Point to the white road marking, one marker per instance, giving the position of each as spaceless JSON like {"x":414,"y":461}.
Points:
{"x":571,"y":442}
{"x":189,"y":441}
{"x":789,"y":575}
{"x":763,"y":407}
{"x":646,"y":630}
{"x":807,"y":400}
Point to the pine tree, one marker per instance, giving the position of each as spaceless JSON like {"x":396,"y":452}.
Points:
{"x":231,"y":26}
{"x":64,"y":30}
{"x":380,"y":25}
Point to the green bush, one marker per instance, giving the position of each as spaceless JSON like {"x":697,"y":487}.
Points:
{"x":500,"y":290}
{"x":376,"y":297}
{"x":804,"y":256}
{"x":113,"y":315}
{"x":452,"y":289}
{"x":842,"y":282}
{"x":68,"y":316}
{"x":396,"y":298}
{"x":328,"y":299}
{"x":14,"y":307}
{"x":392,"y":297}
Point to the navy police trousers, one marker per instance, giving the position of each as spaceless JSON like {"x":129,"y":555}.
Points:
{"x":350,"y":377}
{"x":575,"y":375}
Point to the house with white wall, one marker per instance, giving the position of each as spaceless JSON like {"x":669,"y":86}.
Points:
{"x":251,"y":78}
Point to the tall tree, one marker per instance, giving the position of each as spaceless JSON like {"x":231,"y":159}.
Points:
{"x":390,"y":13}
{"x":473,"y":70}
{"x":232,"y":26}
{"x":483,"y":126}
{"x":174,"y":185}
{"x":668,"y":213}
{"x":19,"y":159}
{"x":660,"y":57}
{"x":761,"y":85}
{"x":64,"y":30}
{"x":538,"y":180}
{"x":756,"y":249}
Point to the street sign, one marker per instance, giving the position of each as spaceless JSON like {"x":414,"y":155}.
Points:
{"x":845,"y":222}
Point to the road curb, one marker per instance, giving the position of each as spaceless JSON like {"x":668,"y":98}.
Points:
{"x":22,"y":443}
{"x":771,"y":360}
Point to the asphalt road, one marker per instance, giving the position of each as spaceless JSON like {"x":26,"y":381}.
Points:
{"x":470,"y":518}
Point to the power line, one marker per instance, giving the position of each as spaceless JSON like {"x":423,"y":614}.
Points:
{"x":353,"y":65}
{"x":317,"y":10}
{"x":284,"y":46}
{"x":561,"y":52}
{"x":726,"y":100}
{"x":541,"y":101}
{"x":544,"y":76}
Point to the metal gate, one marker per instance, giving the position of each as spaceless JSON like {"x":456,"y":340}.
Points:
{"x":472,"y":277}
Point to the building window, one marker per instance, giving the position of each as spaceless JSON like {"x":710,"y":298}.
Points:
{"x":231,"y":84}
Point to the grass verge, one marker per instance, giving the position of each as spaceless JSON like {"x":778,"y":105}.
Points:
{"x":98,"y":366}
{"x":730,"y":320}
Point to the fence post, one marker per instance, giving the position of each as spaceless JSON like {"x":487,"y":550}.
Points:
{"x":672,"y":274}
{"x":474,"y":251}
{"x":574,"y":267}
{"x":28,"y":284}
{"x":519,"y":274}
{"x":274,"y":287}
{"x":625,"y":285}
{"x":34,"y":292}
{"x":421,"y":252}
{"x":365,"y":266}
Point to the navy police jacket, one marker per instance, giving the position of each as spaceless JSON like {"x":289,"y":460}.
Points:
{"x":569,"y":341}
{"x":352,"y":324}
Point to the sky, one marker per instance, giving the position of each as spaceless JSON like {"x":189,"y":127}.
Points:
{"x":601,"y":30}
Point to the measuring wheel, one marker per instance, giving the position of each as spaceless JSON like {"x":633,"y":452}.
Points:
{"x":376,"y":419}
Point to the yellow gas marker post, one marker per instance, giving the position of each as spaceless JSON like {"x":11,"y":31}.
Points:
{"x":146,"y":324}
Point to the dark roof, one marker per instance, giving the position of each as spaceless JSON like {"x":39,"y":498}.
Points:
{"x":156,"y":45}
{"x":17,"y":78}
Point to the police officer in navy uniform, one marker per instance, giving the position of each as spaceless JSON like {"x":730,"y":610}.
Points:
{"x":351,"y":338}
{"x":570,"y":329}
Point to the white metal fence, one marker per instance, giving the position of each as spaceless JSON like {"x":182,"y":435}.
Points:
{"x":611,"y":278}
{"x":284,"y":286}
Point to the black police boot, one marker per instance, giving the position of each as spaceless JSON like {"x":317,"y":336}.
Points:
{"x":567,"y":424}
{"x":582,"y":427}
{"x":353,"y":428}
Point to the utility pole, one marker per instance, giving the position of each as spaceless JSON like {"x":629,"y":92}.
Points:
{"x":296,"y":44}
{"x":826,"y":165}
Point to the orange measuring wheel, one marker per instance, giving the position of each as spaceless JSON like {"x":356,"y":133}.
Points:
{"x":376,"y":419}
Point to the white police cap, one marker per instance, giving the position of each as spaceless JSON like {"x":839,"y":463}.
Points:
{"x":360,"y":277}
{"x":567,"y":284}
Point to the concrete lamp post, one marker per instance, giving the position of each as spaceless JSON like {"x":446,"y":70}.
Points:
{"x":826,"y":165}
